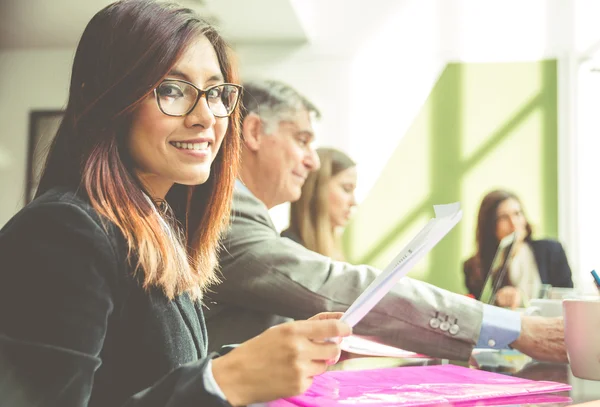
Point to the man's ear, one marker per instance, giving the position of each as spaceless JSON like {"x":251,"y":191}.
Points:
{"x":252,"y":131}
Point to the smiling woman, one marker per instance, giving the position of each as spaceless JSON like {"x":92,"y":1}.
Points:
{"x":178,"y":142}
{"x":116,"y":250}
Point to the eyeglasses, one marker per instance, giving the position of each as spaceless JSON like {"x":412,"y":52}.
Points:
{"x":177,"y":97}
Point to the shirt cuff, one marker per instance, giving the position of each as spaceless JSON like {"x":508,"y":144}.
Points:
{"x":500,"y":327}
{"x":210,"y":384}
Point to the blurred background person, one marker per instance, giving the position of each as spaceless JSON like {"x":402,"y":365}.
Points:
{"x":317,"y":219}
{"x":534,"y":262}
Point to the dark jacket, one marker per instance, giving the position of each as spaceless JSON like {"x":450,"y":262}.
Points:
{"x":551,"y":260}
{"x":292,"y":236}
{"x":77,"y":329}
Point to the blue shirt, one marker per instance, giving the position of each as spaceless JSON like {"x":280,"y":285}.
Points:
{"x":499,"y":328}
{"x":240,"y":186}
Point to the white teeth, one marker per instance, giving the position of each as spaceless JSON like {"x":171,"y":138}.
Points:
{"x":191,"y":146}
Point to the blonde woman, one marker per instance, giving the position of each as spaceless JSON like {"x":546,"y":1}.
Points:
{"x":324,"y":209}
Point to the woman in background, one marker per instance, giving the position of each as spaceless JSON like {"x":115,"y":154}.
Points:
{"x":534,"y":262}
{"x":324,"y":208}
{"x":103,"y":273}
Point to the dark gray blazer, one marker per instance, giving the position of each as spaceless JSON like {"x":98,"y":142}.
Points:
{"x":77,"y":329}
{"x":268,"y":279}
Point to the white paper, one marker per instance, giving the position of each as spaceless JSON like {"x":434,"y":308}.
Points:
{"x":363,"y":346}
{"x":447,"y":216}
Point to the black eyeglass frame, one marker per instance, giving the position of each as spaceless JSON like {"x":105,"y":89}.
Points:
{"x":201,"y":93}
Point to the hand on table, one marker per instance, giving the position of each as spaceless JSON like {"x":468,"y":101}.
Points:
{"x":542,"y":338}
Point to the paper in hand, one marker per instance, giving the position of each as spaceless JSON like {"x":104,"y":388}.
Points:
{"x":446,"y":217}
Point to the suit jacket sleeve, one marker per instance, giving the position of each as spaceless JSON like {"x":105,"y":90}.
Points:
{"x":59,"y":288}
{"x":272,"y":274}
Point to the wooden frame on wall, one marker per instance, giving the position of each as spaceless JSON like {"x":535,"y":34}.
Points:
{"x":43,"y":125}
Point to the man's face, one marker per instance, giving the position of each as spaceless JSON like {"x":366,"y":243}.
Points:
{"x":287,"y":157}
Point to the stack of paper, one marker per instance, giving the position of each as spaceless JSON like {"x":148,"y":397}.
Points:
{"x":362,"y":346}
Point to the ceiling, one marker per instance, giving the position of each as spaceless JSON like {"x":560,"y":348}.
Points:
{"x":27,"y":24}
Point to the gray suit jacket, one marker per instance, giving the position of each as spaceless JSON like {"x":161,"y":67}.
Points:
{"x":268,"y":278}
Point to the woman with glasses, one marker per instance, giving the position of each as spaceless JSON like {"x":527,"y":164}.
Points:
{"x":534,"y":262}
{"x":103,"y":274}
{"x":325,"y":206}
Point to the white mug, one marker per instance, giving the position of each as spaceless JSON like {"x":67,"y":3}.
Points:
{"x":545,"y":307}
{"x":562,"y":293}
{"x":582,"y":336}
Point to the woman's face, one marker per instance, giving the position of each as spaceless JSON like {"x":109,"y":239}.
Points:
{"x":510,"y":218}
{"x":341,"y":196}
{"x":167,"y":150}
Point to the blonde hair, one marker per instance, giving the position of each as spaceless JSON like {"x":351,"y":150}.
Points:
{"x":309,"y":216}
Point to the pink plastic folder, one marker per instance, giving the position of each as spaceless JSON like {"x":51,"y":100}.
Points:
{"x":419,"y":386}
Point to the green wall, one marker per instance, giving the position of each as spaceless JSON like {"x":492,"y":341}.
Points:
{"x":483,"y":126}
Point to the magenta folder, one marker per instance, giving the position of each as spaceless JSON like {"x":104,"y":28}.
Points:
{"x":421,"y":386}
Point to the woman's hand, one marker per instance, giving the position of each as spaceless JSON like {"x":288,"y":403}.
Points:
{"x":281,"y":361}
{"x":509,"y":297}
{"x":337,"y":339}
{"x":326,"y":315}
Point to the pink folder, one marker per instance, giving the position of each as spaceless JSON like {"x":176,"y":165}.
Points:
{"x":421,"y":386}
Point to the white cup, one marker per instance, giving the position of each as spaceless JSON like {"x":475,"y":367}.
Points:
{"x":545,"y":307}
{"x":561,"y":293}
{"x":582,"y":336}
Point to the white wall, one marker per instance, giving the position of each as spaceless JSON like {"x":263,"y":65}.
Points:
{"x":30,"y":80}
{"x":579,"y":126}
{"x":586,"y":171}
{"x":584,"y":126}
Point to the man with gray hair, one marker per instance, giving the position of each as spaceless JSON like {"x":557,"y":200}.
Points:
{"x":278,"y":135}
{"x":268,"y":279}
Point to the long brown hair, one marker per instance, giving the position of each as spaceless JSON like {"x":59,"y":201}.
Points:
{"x":487,"y":241}
{"x":309,"y":216}
{"x":125,"y":51}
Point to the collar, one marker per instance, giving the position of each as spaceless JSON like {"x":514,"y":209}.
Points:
{"x":239,"y":185}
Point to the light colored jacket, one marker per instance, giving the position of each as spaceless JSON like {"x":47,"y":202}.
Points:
{"x":267,"y":279}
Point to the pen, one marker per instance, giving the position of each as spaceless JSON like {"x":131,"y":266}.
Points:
{"x":596,"y":278}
